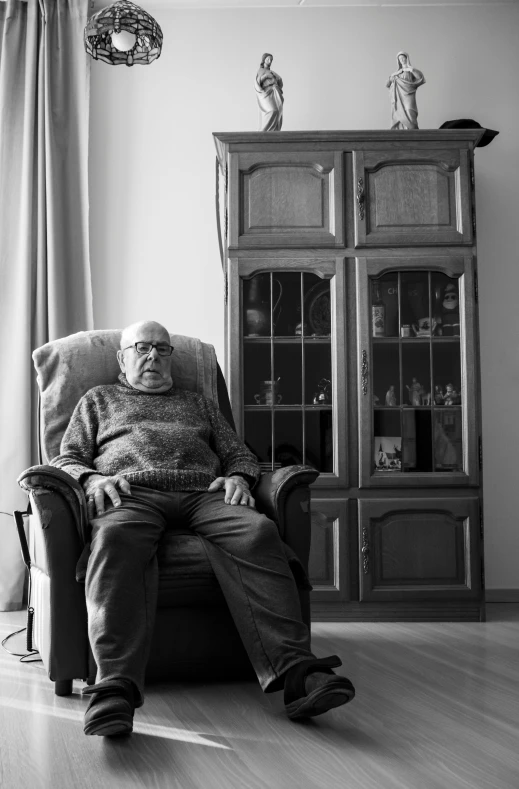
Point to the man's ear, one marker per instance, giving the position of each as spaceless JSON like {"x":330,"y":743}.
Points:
{"x":120,"y":359}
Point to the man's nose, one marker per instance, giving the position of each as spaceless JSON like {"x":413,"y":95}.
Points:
{"x":154,"y":354}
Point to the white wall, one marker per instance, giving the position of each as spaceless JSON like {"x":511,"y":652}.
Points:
{"x":153,"y":233}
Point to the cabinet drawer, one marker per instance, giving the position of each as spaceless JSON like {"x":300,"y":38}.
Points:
{"x":290,"y":198}
{"x":409,"y":197}
{"x":419,"y":549}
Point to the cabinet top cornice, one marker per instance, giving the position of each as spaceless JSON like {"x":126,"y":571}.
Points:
{"x":374,"y":135}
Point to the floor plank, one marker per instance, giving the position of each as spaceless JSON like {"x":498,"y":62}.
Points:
{"x":437,"y":707}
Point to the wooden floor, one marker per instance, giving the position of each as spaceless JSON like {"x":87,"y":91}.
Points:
{"x":437,"y":707}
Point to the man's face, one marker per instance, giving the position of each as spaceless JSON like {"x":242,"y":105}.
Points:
{"x":149,"y":372}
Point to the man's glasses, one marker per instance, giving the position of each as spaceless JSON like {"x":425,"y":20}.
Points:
{"x":163,"y":349}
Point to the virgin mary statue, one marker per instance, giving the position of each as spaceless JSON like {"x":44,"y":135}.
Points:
{"x":269,"y":91}
{"x":403,"y":85}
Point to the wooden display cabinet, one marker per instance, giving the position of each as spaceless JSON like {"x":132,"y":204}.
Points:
{"x":352,"y":346}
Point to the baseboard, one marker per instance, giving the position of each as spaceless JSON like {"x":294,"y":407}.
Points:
{"x":502,"y":595}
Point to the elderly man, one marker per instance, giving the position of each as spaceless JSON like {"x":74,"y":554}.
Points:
{"x":149,"y":455}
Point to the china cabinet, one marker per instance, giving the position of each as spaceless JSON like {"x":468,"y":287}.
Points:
{"x":352,"y":346}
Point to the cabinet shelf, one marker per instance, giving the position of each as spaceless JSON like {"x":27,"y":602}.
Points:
{"x":291,"y":407}
{"x":415,"y":407}
{"x":416,"y":340}
{"x":289,"y":340}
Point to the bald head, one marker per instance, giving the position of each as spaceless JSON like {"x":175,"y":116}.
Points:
{"x":132,"y":333}
{"x":148,"y":372}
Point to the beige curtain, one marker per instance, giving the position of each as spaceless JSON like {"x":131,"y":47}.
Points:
{"x":45,"y":288}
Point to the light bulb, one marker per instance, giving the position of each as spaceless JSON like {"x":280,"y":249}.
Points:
{"x":124,"y":40}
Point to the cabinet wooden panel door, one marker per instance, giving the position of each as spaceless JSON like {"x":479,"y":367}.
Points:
{"x":419,"y":549}
{"x":328,"y":560}
{"x":412,"y":196}
{"x":418,"y":408}
{"x":290,"y":198}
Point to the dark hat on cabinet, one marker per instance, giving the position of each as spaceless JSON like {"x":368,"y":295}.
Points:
{"x":469,"y":123}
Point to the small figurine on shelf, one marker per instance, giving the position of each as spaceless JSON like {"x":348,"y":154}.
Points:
{"x":450,"y":312}
{"x":391,"y":396}
{"x":415,"y":393}
{"x":323,"y":395}
{"x":426,"y":397}
{"x":376,"y":400}
{"x":451,"y":397}
{"x":438,"y":395}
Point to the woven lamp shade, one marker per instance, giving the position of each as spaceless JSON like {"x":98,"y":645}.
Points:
{"x":117,"y":18}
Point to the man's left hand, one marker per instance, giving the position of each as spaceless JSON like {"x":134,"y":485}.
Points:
{"x":236,"y":490}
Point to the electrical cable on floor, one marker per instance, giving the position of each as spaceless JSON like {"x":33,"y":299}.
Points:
{"x":30,"y":617}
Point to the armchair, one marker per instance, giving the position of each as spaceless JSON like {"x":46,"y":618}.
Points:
{"x":194,"y":633}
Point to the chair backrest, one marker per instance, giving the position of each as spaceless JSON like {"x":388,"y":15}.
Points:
{"x":67,"y":368}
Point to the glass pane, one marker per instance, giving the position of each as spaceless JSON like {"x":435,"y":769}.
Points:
{"x":384,"y":306}
{"x":316,"y":306}
{"x":318,"y":373}
{"x":386,"y":374}
{"x":446,"y":310}
{"x":319,"y":440}
{"x":387,"y":445}
{"x":288,"y":438}
{"x":417,"y":440}
{"x":448,"y":452}
{"x":256,"y":371}
{"x":415,"y":303}
{"x":256,"y":306}
{"x":258,"y":436}
{"x":447,"y":373}
{"x":286,"y":303}
{"x":416,"y":372}
{"x":288,"y":374}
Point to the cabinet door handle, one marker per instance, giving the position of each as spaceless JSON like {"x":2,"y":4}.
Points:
{"x":364,"y":372}
{"x":360,"y":197}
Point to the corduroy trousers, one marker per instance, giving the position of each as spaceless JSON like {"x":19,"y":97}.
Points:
{"x":247,"y":556}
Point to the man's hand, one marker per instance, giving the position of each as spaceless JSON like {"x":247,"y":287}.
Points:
{"x":97,"y":486}
{"x":236,"y":490}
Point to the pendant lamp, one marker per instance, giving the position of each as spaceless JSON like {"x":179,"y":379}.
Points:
{"x":123,"y":33}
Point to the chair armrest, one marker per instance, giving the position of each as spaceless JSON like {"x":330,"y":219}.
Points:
{"x":284,"y":496}
{"x":48,"y":478}
{"x":57,"y":531}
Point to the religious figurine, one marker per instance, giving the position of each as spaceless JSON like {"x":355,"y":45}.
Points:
{"x":403,"y":85}
{"x":415,"y":392}
{"x":269,"y":90}
{"x":438,"y":395}
{"x":391,"y":396}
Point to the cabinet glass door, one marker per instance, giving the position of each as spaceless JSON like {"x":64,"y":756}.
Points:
{"x":289,"y":385}
{"x":417,"y":374}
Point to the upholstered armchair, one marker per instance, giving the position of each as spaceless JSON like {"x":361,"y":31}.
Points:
{"x":194,"y":633}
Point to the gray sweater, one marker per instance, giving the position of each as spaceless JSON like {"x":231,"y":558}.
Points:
{"x":177,"y":440}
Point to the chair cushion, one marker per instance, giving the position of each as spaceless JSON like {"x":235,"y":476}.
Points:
{"x":67,"y":368}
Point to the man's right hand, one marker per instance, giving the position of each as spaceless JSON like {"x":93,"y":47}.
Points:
{"x":97,"y":486}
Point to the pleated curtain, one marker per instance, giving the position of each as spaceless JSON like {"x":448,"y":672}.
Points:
{"x":45,"y":285}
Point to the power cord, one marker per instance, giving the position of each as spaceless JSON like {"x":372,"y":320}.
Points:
{"x":18,"y":517}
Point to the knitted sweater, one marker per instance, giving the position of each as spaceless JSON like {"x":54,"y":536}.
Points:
{"x":177,"y":440}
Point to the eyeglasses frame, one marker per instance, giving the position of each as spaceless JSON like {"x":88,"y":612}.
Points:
{"x":153,"y":345}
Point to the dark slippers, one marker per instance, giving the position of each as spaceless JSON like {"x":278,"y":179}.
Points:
{"x":111,"y":708}
{"x":332,"y":693}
